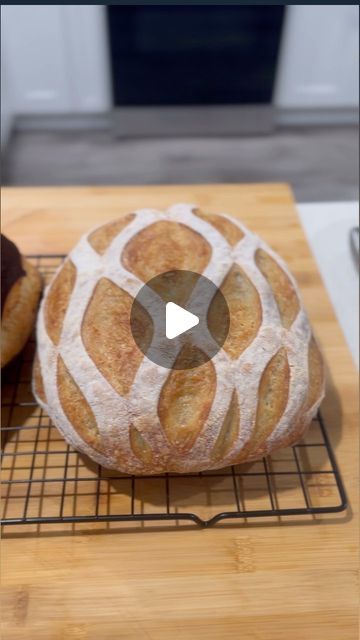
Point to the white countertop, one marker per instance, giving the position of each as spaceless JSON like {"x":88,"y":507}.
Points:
{"x":327,"y":227}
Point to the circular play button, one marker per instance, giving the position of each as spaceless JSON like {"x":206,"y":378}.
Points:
{"x":179,"y":319}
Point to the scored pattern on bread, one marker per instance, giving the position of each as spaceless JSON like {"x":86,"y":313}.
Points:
{"x":258,"y":393}
{"x":160,"y":246}
{"x":284,"y":292}
{"x":244,"y":306}
{"x":185,"y":401}
{"x":58,"y":299}
{"x":106,"y":330}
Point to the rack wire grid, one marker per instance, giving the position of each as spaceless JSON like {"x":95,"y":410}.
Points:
{"x":44,"y":480}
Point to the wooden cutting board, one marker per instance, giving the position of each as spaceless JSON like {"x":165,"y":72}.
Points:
{"x":266,"y":581}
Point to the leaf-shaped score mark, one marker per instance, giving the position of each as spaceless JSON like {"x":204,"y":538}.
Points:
{"x":106,"y":333}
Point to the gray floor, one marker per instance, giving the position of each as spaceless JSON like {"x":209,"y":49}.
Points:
{"x":321,"y":164}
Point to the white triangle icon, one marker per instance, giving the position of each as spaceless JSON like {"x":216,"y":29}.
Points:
{"x":178,"y":320}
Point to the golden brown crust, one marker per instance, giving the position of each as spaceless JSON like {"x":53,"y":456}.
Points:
{"x":101,"y":238}
{"x":140,"y":447}
{"x":185,"y":400}
{"x":284,"y":292}
{"x":76,"y":408}
{"x":228,"y":229}
{"x":272,"y":400}
{"x":245,"y":311}
{"x":38,"y":380}
{"x":229,"y":430}
{"x":316,"y":374}
{"x":315,"y":388}
{"x":164,"y":246}
{"x":19,"y":312}
{"x":58,"y":299}
{"x":106,"y":334}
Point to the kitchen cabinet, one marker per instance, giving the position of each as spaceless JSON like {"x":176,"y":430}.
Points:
{"x":56,"y":58}
{"x":319,"y":58}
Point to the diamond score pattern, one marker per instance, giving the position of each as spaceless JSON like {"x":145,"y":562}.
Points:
{"x":138,"y":408}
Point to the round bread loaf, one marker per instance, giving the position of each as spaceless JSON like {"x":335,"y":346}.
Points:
{"x":259,"y":392}
{"x":20,"y":292}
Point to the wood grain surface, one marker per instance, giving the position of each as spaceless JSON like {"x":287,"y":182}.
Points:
{"x":267,"y":580}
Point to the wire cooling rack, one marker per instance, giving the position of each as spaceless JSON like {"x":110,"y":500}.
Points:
{"x":44,"y":480}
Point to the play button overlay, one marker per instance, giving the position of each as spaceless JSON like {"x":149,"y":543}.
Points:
{"x":179,"y":319}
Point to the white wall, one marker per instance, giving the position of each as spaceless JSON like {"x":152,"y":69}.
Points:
{"x":57,"y":58}
{"x":319,"y":57}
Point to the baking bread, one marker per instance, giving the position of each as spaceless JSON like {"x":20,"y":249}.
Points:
{"x":20,"y":292}
{"x":260,"y":391}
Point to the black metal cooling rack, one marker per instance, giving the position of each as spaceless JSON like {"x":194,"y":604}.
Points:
{"x":44,"y":480}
